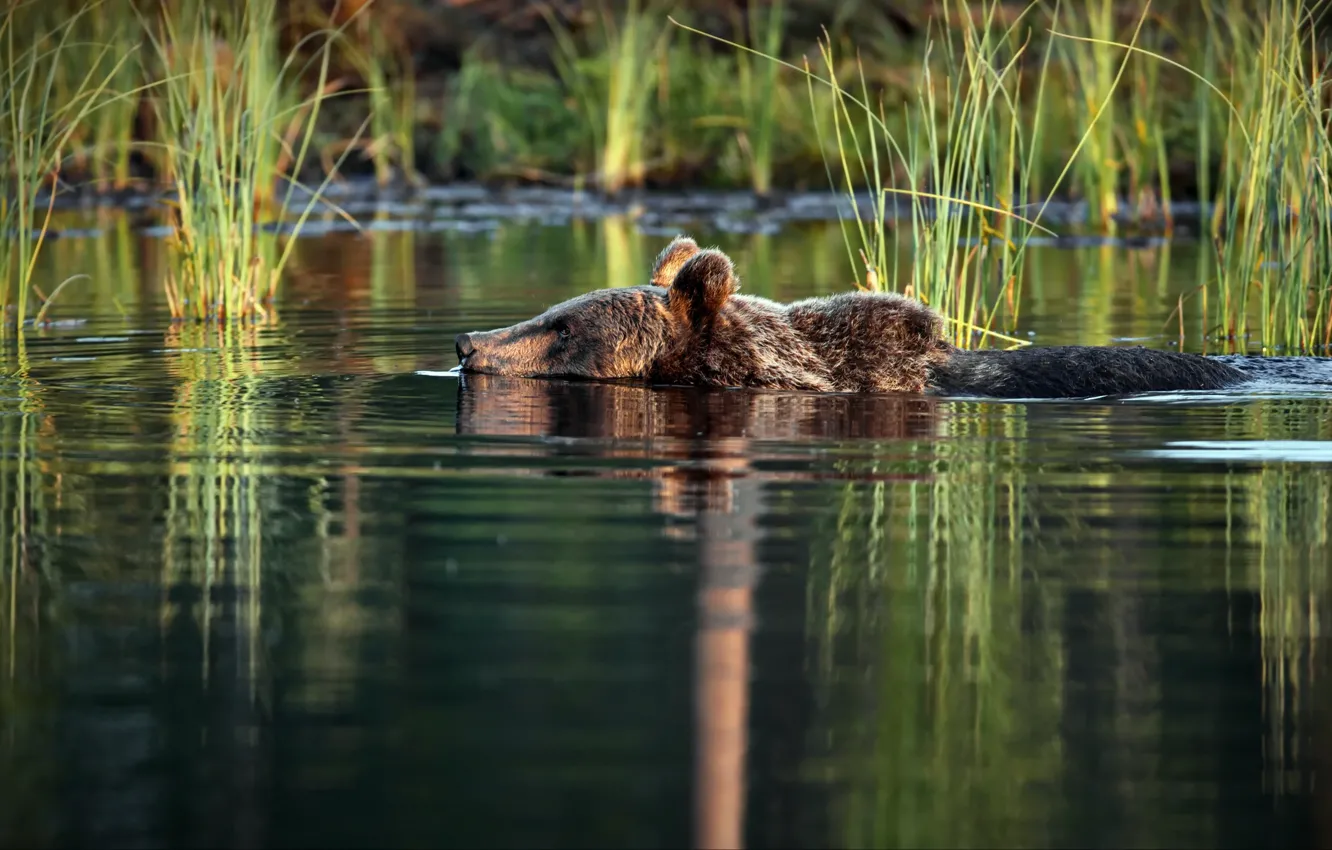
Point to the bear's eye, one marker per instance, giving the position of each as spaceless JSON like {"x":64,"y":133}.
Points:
{"x":564,"y":333}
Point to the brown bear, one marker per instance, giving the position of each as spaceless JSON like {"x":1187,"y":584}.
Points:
{"x":690,"y":326}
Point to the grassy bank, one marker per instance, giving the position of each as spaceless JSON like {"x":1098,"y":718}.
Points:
{"x":622,"y":98}
{"x":701,"y":115}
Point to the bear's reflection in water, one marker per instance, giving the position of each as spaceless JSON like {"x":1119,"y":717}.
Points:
{"x":699,"y":448}
{"x":697,"y":441}
{"x":504,"y":406}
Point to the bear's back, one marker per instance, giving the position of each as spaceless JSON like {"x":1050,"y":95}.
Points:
{"x":871,"y":341}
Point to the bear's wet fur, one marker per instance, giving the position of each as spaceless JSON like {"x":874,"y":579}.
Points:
{"x":690,"y":326}
{"x":1078,"y":371}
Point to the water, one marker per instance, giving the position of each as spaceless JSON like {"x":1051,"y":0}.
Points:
{"x":305,"y":590}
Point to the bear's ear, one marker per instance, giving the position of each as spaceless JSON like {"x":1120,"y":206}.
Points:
{"x":702,"y":286}
{"x":671,"y":258}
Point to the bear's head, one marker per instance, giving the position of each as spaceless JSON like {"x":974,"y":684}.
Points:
{"x":612,"y":333}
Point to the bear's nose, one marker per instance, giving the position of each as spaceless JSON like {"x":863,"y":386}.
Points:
{"x":463,"y":343}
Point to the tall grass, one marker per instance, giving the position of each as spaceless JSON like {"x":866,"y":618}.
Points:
{"x":41,"y":110}
{"x":971,"y":156}
{"x":1272,"y":229}
{"x":1144,"y":149}
{"x":759,"y":93}
{"x":100,"y":147}
{"x":1272,"y":221}
{"x":384,"y":61}
{"x":230,"y":119}
{"x":613,"y":76}
{"x":393,"y":101}
{"x":951,"y":177}
{"x":967,"y":154}
{"x":1091,"y":66}
{"x":1274,"y":233}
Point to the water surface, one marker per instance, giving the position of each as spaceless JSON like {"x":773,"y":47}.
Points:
{"x":290,"y":588}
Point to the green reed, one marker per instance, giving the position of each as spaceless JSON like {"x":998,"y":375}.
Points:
{"x":705,"y":127}
{"x":99,"y":147}
{"x":1143,"y":140}
{"x":1211,"y":111}
{"x":967,"y":155}
{"x":393,"y":100}
{"x":1274,"y":230}
{"x":1091,"y":65}
{"x":232,"y":125}
{"x":385,"y":62}
{"x":112,"y":130}
{"x":613,"y":78}
{"x":1272,"y":220}
{"x":41,"y":110}
{"x":519,"y":122}
{"x":759,"y":93}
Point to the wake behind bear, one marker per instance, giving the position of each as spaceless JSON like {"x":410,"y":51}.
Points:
{"x":689,"y":326}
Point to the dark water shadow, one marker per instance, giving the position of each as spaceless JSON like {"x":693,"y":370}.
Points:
{"x":708,"y":444}
{"x":709,"y":456}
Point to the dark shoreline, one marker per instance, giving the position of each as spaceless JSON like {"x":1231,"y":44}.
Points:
{"x":477,"y":207}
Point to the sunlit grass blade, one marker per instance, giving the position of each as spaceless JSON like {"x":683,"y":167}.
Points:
{"x":975,"y":157}
{"x":613,"y":78}
{"x":44,"y":104}
{"x":226,"y":114}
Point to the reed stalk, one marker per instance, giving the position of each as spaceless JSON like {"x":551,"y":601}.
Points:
{"x":232,"y":127}
{"x":613,"y":78}
{"x":759,"y":93}
{"x":1090,"y":65}
{"x":1272,"y":225}
{"x":967,"y":155}
{"x":42,"y":108}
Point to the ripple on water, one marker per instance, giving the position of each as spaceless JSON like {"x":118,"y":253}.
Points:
{"x":247,"y":583}
{"x":1285,"y":451}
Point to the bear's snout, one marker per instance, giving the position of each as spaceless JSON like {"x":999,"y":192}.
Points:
{"x":463,"y":344}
